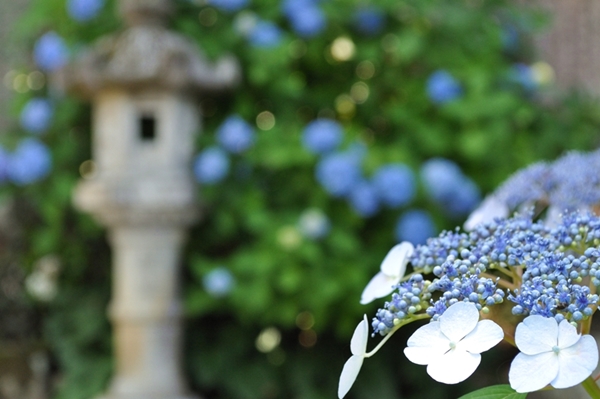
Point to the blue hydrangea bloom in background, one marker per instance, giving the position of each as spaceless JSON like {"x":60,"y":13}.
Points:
{"x":364,"y":199}
{"x":229,"y":5}
{"x":84,"y":10}
{"x":369,"y":20}
{"x":30,"y":162}
{"x":211,"y":165}
{"x":443,"y":87}
{"x":446,"y":184}
{"x":290,"y":7}
{"x":235,"y":134}
{"x":466,"y":197}
{"x":322,"y":135}
{"x":313,"y":223}
{"x":50,"y":52}
{"x":395,"y":184}
{"x":305,"y":17}
{"x":441,"y":177}
{"x":36,"y":115}
{"x":218,"y":282}
{"x":338,"y":173}
{"x":523,"y":75}
{"x":265,"y":34}
{"x":415,"y":226}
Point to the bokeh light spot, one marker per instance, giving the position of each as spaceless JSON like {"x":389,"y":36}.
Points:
{"x":365,"y":70}
{"x":543,"y":73}
{"x":289,"y":237}
{"x":342,"y":49}
{"x":208,"y":16}
{"x":389,"y":42}
{"x":8,"y":79}
{"x":87,"y":169}
{"x":268,"y":339}
{"x":19,"y":83}
{"x":359,"y":92}
{"x":344,"y":105}
{"x":36,"y":80}
{"x":307,"y":338}
{"x":305,"y":320}
{"x":265,"y":120}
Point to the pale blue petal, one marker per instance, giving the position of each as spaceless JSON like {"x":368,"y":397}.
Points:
{"x":536,"y":334}
{"x":426,"y":344}
{"x":530,"y":373}
{"x":358,"y":343}
{"x":394,"y":263}
{"x":567,"y":334}
{"x":576,"y":362}
{"x":459,"y":320}
{"x":486,"y":335}
{"x":453,"y":367}
{"x":379,"y":286}
{"x":349,"y":374}
{"x":490,"y":208}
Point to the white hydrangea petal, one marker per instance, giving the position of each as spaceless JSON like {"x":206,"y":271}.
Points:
{"x":349,"y":374}
{"x":554,"y":216}
{"x":426,"y":344}
{"x":536,"y":334}
{"x":394,"y":263}
{"x":490,"y":208}
{"x":379,"y":286}
{"x":530,"y":373}
{"x":567,"y":334}
{"x":459,"y":320}
{"x":486,"y":335}
{"x":576,"y":362}
{"x":358,"y":343}
{"x":455,"y":366}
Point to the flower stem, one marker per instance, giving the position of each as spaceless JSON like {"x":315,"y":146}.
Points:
{"x":501,"y":282}
{"x":396,"y":328}
{"x":590,"y":386}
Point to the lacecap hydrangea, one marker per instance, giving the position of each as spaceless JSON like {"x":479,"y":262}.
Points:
{"x":547,"y":277}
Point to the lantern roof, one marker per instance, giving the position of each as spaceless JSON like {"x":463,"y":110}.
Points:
{"x":147,"y":55}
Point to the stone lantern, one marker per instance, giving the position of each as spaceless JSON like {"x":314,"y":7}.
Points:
{"x":144,"y":83}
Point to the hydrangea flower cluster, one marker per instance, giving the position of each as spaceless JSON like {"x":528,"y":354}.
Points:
{"x":392,"y":185}
{"x":84,"y":10}
{"x":550,"y":186}
{"x":305,"y":17}
{"x":264,"y":34}
{"x":29,"y":162}
{"x":369,"y":20}
{"x":234,"y":136}
{"x":415,"y":225}
{"x":218,"y":282}
{"x":547,"y":276}
{"x":446,"y":184}
{"x":36,"y":115}
{"x":50,"y":52}
{"x":442,"y":87}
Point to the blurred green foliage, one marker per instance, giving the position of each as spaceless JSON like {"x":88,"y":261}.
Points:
{"x":250,"y":220}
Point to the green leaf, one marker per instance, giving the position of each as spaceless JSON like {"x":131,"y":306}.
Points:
{"x":495,"y":392}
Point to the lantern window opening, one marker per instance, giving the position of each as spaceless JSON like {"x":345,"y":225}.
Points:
{"x":147,"y":127}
